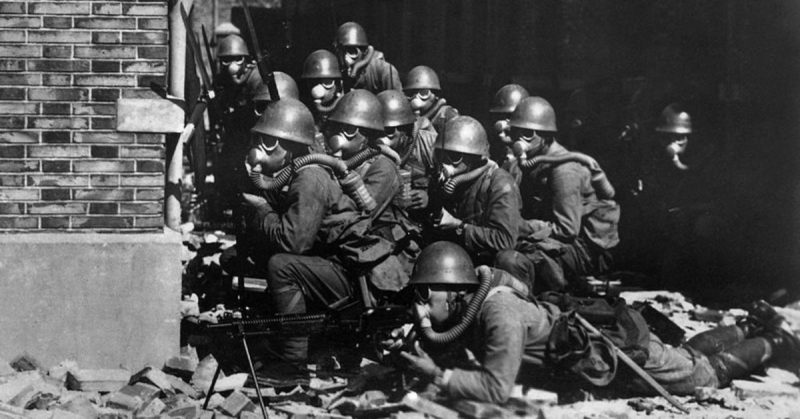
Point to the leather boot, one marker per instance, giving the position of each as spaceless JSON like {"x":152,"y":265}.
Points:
{"x":740,"y":360}
{"x":717,"y":339}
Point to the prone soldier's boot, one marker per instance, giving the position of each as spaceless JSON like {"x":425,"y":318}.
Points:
{"x":740,"y":360}
{"x":717,"y":339}
{"x":763,"y":320}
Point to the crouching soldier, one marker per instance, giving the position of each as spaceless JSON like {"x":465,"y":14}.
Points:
{"x":505,"y":330}
{"x":570,"y":217}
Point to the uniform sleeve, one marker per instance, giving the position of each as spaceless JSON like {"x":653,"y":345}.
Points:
{"x":382,"y":180}
{"x":307,"y":203}
{"x":503,"y":346}
{"x":502,"y":229}
{"x":390,"y":78}
{"x":565,"y":184}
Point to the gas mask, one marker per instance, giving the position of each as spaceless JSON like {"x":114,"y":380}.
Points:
{"x":421,"y":100}
{"x":451,"y":164}
{"x":345,"y":141}
{"x":351,"y":55}
{"x":234,"y":66}
{"x":675,"y":149}
{"x":396,"y":137}
{"x":324,"y":91}
{"x":527,"y":143}
{"x":266,"y":156}
{"x":502,"y":128}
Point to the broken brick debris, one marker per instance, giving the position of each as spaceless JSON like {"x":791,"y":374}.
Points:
{"x":25,"y":362}
{"x":102,"y":380}
{"x":236,"y":403}
{"x":153,"y":376}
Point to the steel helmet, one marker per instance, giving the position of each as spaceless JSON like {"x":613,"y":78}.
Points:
{"x":359,"y":108}
{"x":351,"y":34}
{"x":225,"y":29}
{"x":421,"y":77}
{"x":675,"y":120}
{"x":287,"y":88}
{"x":507,"y":98}
{"x":534,"y":113}
{"x":396,"y":109}
{"x":321,"y":64}
{"x":287,"y":119}
{"x":444,"y":262}
{"x":463,"y":134}
{"x":232,"y":46}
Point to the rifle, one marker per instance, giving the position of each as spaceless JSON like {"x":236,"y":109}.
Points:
{"x":211,"y":62}
{"x":262,"y":61}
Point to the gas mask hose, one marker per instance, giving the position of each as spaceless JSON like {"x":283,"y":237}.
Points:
{"x":454,"y":182}
{"x":360,"y":64}
{"x":283,"y":176}
{"x":599,"y":180}
{"x":485,"y":276}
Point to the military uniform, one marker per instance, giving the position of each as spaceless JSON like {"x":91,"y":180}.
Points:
{"x":378,"y":75}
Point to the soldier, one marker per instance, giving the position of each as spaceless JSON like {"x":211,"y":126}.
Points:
{"x":324,"y":80}
{"x":404,"y":134}
{"x":505,"y":330}
{"x":503,"y":103}
{"x":299,"y":279}
{"x":422,"y":88}
{"x":473,"y":202}
{"x":363,"y":67}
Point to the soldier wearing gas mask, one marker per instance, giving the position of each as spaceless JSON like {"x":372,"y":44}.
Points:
{"x":414,"y":145}
{"x":363,"y":67}
{"x":324,"y":82}
{"x":503,"y":103}
{"x":423,"y":89}
{"x":473,"y":202}
{"x":570,"y":217}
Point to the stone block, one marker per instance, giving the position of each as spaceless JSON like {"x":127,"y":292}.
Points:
{"x":123,"y":401}
{"x":102,"y":380}
{"x":152,"y":409}
{"x":17,"y":383}
{"x":750,"y":389}
{"x":236,"y":403}
{"x":149,"y":115}
{"x":155,"y":377}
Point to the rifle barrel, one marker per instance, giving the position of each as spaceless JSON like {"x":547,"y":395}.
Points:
{"x":198,"y":58}
{"x":264,"y":67}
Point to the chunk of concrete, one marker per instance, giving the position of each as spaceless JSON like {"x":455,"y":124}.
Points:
{"x":80,"y":406}
{"x":182,"y":386}
{"x":17,"y":383}
{"x":123,"y":401}
{"x":154,"y":377}
{"x":25,"y":362}
{"x":149,"y":115}
{"x":102,"y":380}
{"x":237,"y":403}
{"x":201,"y":379}
{"x":151,"y":409}
{"x":750,"y":389}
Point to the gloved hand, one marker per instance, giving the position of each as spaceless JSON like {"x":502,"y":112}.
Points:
{"x":419,"y":199}
{"x":422,"y":362}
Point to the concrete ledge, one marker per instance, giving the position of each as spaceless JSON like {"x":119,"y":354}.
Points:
{"x":103,"y":300}
{"x":149,"y":115}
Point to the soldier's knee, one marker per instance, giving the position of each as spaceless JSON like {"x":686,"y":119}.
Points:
{"x":279,"y":270}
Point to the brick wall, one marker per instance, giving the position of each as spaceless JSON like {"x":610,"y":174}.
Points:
{"x":63,"y":64}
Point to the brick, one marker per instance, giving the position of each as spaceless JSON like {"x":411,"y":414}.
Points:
{"x":56,"y":194}
{"x":150,"y":166}
{"x":105,"y":95}
{"x":144,"y":93}
{"x":19,"y":108}
{"x":57,"y":51}
{"x":104,"y":180}
{"x":146,"y":80}
{"x":122,"y":80}
{"x":12,"y":152}
{"x":12,"y":7}
{"x":105,"y":152}
{"x":12,"y":65}
{"x":123,"y":401}
{"x":103,"y":380}
{"x":140,"y":208}
{"x":18,"y":222}
{"x":144,"y":10}
{"x":104,"y":123}
{"x":150,"y":138}
{"x":60,"y":95}
{"x":144,"y":37}
{"x":55,"y":222}
{"x":12,"y":93}
{"x":52,"y":122}
{"x":140,"y":151}
{"x":12,"y":122}
{"x":19,"y":194}
{"x":12,"y":36}
{"x":152,"y":52}
{"x":12,"y":180}
{"x":105,"y":23}
{"x":142,"y":180}
{"x":56,"y":166}
{"x":60,"y":37}
{"x":103,"y":194}
{"x":95,"y":166}
{"x":59,"y":8}
{"x":100,"y":66}
{"x":56,"y":80}
{"x":152,"y":409}
{"x":19,"y":165}
{"x":94,"y":109}
{"x":12,"y":208}
{"x":106,"y":38}
{"x":149,"y":194}
{"x":56,"y":137}
{"x":144,"y":66}
{"x":152,"y":23}
{"x":20,"y":22}
{"x":105,"y":52}
{"x":56,"y":109}
{"x":18,"y":137}
{"x":236,"y":403}
{"x":31,"y":51}
{"x":20,"y":79}
{"x":57,"y":208}
{"x":58,"y":180}
{"x":57,"y":22}
{"x":105,"y":208}
{"x":48,"y":151}
{"x":152,"y":378}
{"x":102,"y":222}
{"x":148,"y":222}
{"x":114,"y":9}
{"x":103,"y":137}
